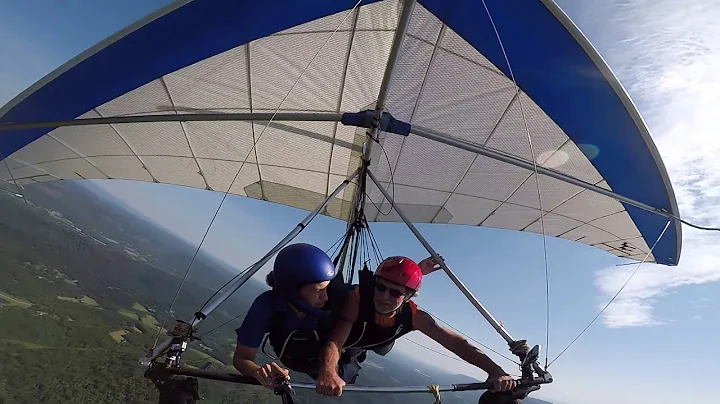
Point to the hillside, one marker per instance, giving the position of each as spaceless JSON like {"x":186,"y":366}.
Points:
{"x":117,"y":224}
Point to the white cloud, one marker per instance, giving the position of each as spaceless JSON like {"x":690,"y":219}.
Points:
{"x":634,"y":306}
{"x":668,"y":58}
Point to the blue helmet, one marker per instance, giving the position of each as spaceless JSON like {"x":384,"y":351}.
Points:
{"x":297,"y":265}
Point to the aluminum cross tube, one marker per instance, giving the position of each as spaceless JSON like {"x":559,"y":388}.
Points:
{"x":489,"y":317}
{"x":420,"y":389}
{"x":506,"y":158}
{"x":235,"y":284}
{"x":242,"y":116}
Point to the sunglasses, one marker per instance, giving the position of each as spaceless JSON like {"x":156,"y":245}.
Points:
{"x":393,"y":292}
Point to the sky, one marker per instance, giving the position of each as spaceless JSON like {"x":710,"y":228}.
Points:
{"x":667,"y":55}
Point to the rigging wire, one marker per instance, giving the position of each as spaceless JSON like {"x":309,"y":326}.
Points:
{"x":433,"y":350}
{"x":337,"y":248}
{"x":338,"y":243}
{"x":469,"y":337}
{"x":537,"y":181}
{"x":370,"y":252}
{"x":255,"y":142}
{"x":373,"y":202}
{"x":616,"y":294}
{"x":369,"y":248}
{"x":361,"y":248}
{"x":376,"y":246}
{"x":446,"y":355}
{"x":224,"y":324}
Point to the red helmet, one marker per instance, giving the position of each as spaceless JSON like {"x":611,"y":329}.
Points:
{"x":402,"y":271}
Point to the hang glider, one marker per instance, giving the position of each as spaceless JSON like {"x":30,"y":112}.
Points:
{"x":216,"y":57}
{"x":483,"y":113}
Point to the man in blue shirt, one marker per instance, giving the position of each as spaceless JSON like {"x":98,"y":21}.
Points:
{"x":295,"y":314}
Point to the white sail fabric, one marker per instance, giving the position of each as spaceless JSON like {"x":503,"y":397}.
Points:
{"x":440,"y":82}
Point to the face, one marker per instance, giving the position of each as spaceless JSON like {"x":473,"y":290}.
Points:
{"x":315,"y":294}
{"x":388,"y":296}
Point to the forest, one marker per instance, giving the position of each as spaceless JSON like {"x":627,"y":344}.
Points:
{"x":77,"y":315}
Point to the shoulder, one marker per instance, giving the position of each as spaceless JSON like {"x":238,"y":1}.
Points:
{"x":419,"y":318}
{"x":257,"y":321}
{"x":265,"y":298}
{"x":262,"y":307}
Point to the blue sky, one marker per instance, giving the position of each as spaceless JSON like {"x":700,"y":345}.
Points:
{"x":658,"y":327}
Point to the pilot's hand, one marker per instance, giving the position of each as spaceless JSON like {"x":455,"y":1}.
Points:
{"x":502,"y":383}
{"x":429,"y":265}
{"x":329,"y":384}
{"x":268,"y":373}
{"x":519,"y":348}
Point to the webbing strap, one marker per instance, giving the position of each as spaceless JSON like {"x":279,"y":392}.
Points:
{"x":435,"y":390}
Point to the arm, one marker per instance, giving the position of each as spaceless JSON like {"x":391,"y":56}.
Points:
{"x":329,"y":382}
{"x":456,"y":344}
{"x":330,"y":355}
{"x":249,"y":337}
{"x":244,"y":359}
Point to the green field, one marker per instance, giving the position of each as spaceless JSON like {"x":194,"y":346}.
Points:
{"x":25,"y":344}
{"x":79,"y":342}
{"x":84,"y":299}
{"x":118,"y":335}
{"x":14,"y":301}
{"x":129,"y":314}
{"x":151,"y":322}
{"x":197,"y":358}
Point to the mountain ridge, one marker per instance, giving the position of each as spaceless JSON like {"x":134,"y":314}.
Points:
{"x":103,"y":194}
